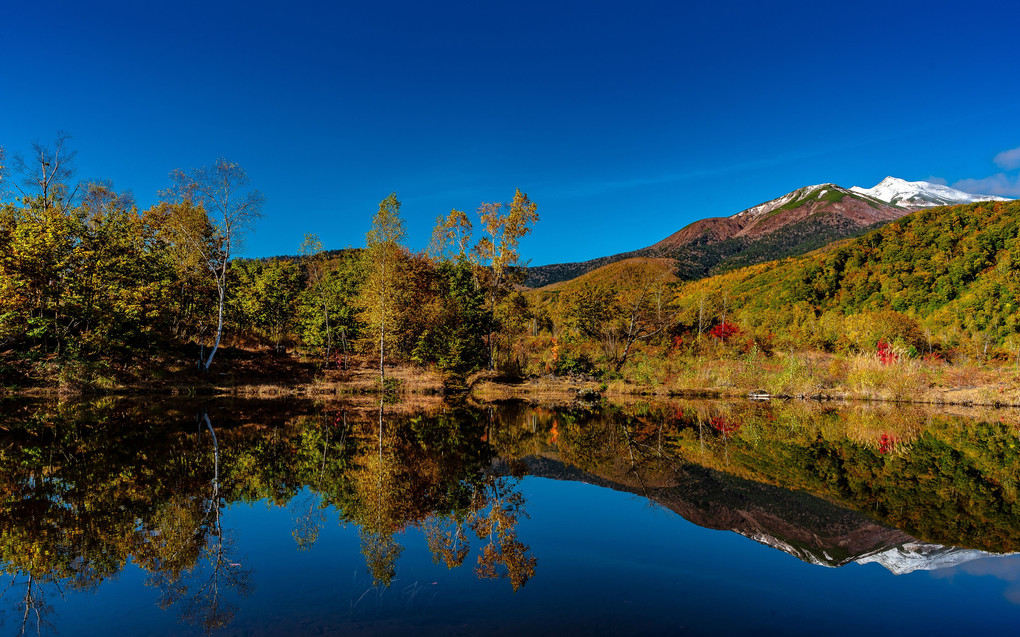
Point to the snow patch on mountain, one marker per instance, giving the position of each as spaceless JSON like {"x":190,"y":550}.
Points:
{"x":807,"y":192}
{"x":899,"y":560}
{"x":920,"y":194}
{"x":921,"y":556}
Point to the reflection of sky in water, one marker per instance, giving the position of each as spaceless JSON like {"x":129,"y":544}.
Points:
{"x":608,"y":563}
{"x":1005,"y":568}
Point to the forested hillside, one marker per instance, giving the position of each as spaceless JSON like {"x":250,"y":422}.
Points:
{"x":939,"y":276}
{"x":97,"y":294}
{"x":923,"y":308}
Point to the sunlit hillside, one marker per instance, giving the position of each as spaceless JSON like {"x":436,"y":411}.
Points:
{"x":946,"y":272}
{"x":621,"y":274}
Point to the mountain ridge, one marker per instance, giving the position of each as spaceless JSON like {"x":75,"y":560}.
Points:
{"x":915,"y":195}
{"x":795,"y":223}
{"x":820,"y":532}
{"x":808,"y":217}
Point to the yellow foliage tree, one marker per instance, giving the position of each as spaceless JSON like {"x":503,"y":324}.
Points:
{"x":378,"y":298}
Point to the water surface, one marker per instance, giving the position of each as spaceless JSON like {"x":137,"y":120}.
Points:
{"x":293,"y":518}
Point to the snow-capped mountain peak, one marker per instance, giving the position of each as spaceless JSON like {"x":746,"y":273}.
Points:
{"x":801,"y":195}
{"x":920,"y":194}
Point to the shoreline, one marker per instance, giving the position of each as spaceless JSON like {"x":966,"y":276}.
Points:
{"x":417,"y":385}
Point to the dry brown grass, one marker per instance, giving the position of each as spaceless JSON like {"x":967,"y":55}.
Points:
{"x":489,"y":387}
{"x":824,"y":375}
{"x":361,"y":378}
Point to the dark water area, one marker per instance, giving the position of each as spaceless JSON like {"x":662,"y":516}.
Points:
{"x":127,"y":517}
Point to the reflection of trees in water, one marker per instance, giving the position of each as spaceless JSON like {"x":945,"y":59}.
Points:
{"x":946,"y":479}
{"x":447,"y":540}
{"x":201,"y":584}
{"x":495,"y":510}
{"x":436,"y":474}
{"x":310,"y":518}
{"x":381,"y":551}
{"x":31,"y":605}
{"x":309,"y":509}
{"x":495,"y":520}
{"x":380,"y":517}
{"x":84,"y":490}
{"x":32,"y":580}
{"x":202,"y":594}
{"x":66,"y":510}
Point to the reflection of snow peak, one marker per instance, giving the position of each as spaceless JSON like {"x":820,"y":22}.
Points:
{"x":900,"y":560}
{"x":820,"y":533}
{"x":919,"y":556}
{"x":920,"y":194}
{"x":803,"y":555}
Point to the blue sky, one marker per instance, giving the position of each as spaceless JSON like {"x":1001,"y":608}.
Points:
{"x":623,"y":122}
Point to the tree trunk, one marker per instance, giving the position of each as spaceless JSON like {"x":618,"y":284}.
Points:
{"x":343,"y":343}
{"x":329,"y":334}
{"x":219,"y":328}
{"x":492,"y":325}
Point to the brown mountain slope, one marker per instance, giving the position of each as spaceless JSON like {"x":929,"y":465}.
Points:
{"x":827,"y":202}
{"x":622,"y":274}
{"x":795,"y":223}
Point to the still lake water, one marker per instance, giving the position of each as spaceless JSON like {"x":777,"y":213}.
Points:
{"x":293,"y":518}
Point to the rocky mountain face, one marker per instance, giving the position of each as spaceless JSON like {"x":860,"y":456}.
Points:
{"x":828,"y":203}
{"x":798,"y":222}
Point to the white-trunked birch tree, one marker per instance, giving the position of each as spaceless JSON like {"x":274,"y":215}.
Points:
{"x":497,"y":255}
{"x":223,"y":195}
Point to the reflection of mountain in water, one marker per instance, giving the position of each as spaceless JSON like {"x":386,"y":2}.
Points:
{"x":807,"y":527}
{"x":920,"y":556}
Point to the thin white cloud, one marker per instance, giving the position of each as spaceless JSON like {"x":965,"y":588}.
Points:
{"x":1008,"y":159}
{"x":1000,"y":184}
{"x":936,"y":180}
{"x":588,"y":188}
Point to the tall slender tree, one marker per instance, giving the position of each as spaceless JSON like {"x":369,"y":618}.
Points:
{"x":223,"y":193}
{"x":497,"y":251}
{"x":384,"y":242}
{"x":312,"y":252}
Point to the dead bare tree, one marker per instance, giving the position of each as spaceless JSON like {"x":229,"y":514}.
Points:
{"x":4,"y":179}
{"x":46,"y":172}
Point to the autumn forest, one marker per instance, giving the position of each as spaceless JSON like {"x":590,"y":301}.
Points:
{"x":98,"y":295}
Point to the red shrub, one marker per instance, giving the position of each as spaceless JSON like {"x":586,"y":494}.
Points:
{"x":724,"y":426}
{"x":886,"y":353}
{"x":724,"y":331}
{"x":886,"y":443}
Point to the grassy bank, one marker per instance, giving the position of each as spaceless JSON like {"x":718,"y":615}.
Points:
{"x":650,"y":371}
{"x":237,"y":371}
{"x":822,"y":375}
